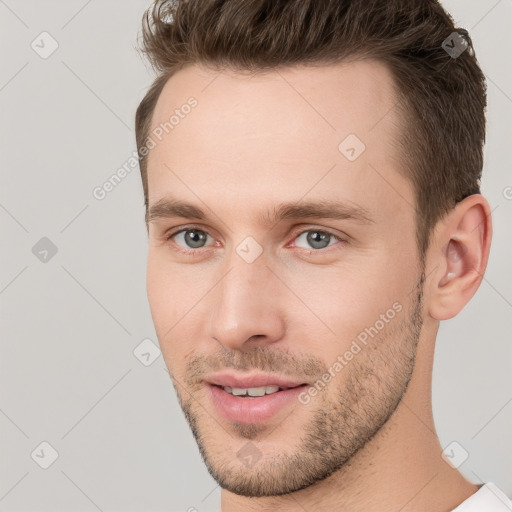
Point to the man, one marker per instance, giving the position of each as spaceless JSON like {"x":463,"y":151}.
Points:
{"x":311,"y":176}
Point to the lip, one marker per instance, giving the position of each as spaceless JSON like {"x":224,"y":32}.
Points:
{"x":251,"y":381}
{"x":247,"y":410}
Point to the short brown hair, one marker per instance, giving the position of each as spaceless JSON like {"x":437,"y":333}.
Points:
{"x":442,"y":96}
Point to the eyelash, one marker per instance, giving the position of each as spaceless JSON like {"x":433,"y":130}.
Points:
{"x":194,"y":252}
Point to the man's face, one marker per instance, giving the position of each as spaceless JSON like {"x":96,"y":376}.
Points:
{"x":293,"y":300}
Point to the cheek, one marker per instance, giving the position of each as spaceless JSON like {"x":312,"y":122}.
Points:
{"x":172,"y":298}
{"x":346,"y":301}
{"x":155,"y":288}
{"x":163,"y":290}
{"x":162,"y":302}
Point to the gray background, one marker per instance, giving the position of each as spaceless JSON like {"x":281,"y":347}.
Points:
{"x":70,"y":324}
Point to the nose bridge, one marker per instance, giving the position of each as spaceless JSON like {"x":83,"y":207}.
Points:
{"x":246,"y":303}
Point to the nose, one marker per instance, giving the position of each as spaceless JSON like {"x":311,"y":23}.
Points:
{"x":248,"y":306}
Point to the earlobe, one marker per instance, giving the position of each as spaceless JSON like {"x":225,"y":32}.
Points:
{"x":463,"y":246}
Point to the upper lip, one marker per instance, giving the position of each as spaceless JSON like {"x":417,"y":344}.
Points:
{"x":251,"y":381}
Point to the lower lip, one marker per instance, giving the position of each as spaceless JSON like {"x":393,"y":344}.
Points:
{"x":252,"y":409}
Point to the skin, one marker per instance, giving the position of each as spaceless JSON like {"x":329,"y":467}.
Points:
{"x":367,"y":441}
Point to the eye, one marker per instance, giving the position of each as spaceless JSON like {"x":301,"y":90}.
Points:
{"x":317,"y":239}
{"x":189,"y":239}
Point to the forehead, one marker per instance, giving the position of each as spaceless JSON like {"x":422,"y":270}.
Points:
{"x":327,"y":132}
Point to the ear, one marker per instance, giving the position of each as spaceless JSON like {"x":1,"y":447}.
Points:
{"x":460,"y":254}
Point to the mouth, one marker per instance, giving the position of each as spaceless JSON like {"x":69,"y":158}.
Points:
{"x":256,"y":391}
{"x":253,"y":404}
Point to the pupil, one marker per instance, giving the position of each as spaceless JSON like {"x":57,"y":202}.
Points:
{"x":318,"y":239}
{"x":194,"y":238}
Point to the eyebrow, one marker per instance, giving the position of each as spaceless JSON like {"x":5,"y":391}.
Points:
{"x":170,"y":208}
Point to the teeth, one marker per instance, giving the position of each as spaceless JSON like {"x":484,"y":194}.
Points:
{"x":264,"y":390}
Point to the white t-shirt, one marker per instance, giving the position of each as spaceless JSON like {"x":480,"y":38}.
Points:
{"x":487,"y":499}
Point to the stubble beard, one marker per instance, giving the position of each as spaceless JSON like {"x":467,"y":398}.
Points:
{"x":368,"y":391}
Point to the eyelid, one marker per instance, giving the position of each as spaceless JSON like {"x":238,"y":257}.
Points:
{"x":174,"y":231}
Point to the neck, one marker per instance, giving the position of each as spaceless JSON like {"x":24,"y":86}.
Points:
{"x":400,"y":468}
